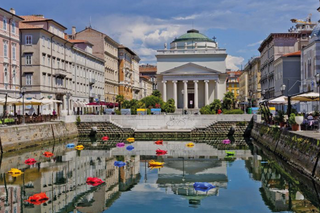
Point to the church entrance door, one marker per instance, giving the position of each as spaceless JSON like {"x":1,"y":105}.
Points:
{"x":191,"y":100}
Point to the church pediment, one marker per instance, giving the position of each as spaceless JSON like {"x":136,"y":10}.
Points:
{"x":190,"y":69}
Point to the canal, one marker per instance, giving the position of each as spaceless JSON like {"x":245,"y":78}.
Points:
{"x":245,"y":176}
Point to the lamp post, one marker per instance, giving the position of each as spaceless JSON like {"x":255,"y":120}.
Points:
{"x":23,"y":91}
{"x":68,"y":98}
{"x":99,"y":96}
{"x":282,"y":88}
{"x":318,"y":84}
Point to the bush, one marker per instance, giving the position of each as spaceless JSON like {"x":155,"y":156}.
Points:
{"x":206,"y":110}
{"x":156,"y":93}
{"x":169,"y":106}
{"x":215,"y":105}
{"x":118,"y":112}
{"x":232,"y":111}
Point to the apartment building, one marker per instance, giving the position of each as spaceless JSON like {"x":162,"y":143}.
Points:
{"x":252,"y":68}
{"x":107,"y":48}
{"x":9,"y":53}
{"x":51,"y":64}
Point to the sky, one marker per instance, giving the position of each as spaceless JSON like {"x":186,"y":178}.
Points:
{"x":145,"y":25}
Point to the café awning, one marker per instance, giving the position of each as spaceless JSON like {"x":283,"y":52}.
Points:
{"x":310,"y":96}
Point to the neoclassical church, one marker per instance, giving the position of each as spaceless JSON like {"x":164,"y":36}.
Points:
{"x":192,"y":71}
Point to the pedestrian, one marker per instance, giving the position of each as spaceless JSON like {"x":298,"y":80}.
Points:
{"x":54,"y":112}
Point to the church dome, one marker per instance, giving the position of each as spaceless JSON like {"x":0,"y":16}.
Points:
{"x":193,"y":35}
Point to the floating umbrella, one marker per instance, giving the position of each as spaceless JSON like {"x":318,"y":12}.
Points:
{"x":120,"y":144}
{"x":94,"y":181}
{"x":155,"y":167}
{"x":159,"y":142}
{"x":130,"y":140}
{"x":38,"y":199}
{"x":30,"y":161}
{"x":15,"y":172}
{"x":226,"y":141}
{"x":48,"y":154}
{"x":70,"y":145}
{"x":153,"y":163}
{"x":190,"y":145}
{"x":230,"y":153}
{"x":161,"y":152}
{"x":79,"y":147}
{"x":105,"y":138}
{"x":203,"y":186}
{"x":119,"y":163}
{"x":130,"y":148}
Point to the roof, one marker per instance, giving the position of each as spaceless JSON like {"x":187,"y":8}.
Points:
{"x":293,"y":54}
{"x":77,"y":41}
{"x":272,"y":35}
{"x":147,"y":68}
{"x":28,"y":26}
{"x":106,"y":36}
{"x":39,"y":18}
{"x":19,"y":17}
{"x":193,"y":35}
{"x":128,"y":49}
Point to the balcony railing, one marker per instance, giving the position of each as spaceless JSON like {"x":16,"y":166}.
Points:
{"x":60,"y":72}
{"x":61,"y":89}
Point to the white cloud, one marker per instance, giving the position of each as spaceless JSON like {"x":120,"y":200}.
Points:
{"x":233,"y":62}
{"x":254,"y":44}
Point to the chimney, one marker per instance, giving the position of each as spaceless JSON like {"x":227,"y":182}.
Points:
{"x":12,"y":11}
{"x":73,"y":32}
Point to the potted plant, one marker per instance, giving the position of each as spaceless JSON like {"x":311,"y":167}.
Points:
{"x":292,"y":122}
{"x":280,"y":118}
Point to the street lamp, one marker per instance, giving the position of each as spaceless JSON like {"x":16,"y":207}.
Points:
{"x":318,"y":84}
{"x":68,"y":98}
{"x":283,"y":88}
{"x":23,"y":91}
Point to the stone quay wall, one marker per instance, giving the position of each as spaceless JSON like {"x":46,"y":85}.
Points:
{"x":299,"y":151}
{"x":19,"y":137}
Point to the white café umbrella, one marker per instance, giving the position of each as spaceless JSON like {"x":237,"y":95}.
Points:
{"x":282,"y":100}
{"x":310,"y":96}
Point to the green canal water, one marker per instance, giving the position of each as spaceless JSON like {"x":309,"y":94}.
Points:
{"x":252,"y":180}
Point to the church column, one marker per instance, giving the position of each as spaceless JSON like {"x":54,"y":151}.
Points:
{"x":196,"y":97}
{"x":185,"y":95}
{"x":217,"y":89}
{"x":206,"y":92}
{"x":164,"y":93}
{"x":175,"y":90}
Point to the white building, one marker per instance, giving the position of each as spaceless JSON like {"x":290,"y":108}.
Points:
{"x":192,"y":71}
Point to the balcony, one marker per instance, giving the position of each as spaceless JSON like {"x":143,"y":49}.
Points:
{"x":61,"y":90}
{"x":92,"y":81}
{"x":60,"y":72}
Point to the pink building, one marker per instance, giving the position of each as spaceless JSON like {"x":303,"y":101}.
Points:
{"x":9,"y":53}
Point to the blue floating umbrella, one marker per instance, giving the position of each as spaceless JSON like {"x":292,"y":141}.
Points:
{"x":70,"y":145}
{"x":203,"y":186}
{"x":119,"y":163}
{"x":130,"y":148}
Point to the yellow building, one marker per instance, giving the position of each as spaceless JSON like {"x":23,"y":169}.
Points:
{"x":127,"y":71}
{"x":233,"y":82}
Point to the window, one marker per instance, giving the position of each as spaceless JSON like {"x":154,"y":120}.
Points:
{"x":44,"y":78}
{"x":13,"y":27}
{"x":48,"y":61}
{"x":49,"y":80}
{"x":14,"y":51}
{"x":5,"y":79}
{"x":43,"y":41}
{"x":53,"y":44}
{"x":28,"y":79}
{"x":28,"y":40}
{"x":14,"y":76}
{"x":44,"y":59}
{"x":5,"y":49}
{"x":4,"y":24}
{"x":48,"y":43}
{"x":28,"y":59}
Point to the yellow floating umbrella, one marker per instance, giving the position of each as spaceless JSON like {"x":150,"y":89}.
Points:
{"x":79,"y":147}
{"x":190,"y":144}
{"x":130,"y":140}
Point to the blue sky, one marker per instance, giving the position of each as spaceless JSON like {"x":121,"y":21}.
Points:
{"x":145,"y":25}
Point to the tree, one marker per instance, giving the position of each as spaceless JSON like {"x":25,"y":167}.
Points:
{"x":169,"y":106}
{"x":156,"y":93}
{"x":120,"y":99}
{"x":152,"y":100}
{"x":228,"y":100}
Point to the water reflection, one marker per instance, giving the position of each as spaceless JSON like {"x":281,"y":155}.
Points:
{"x":63,"y":177}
